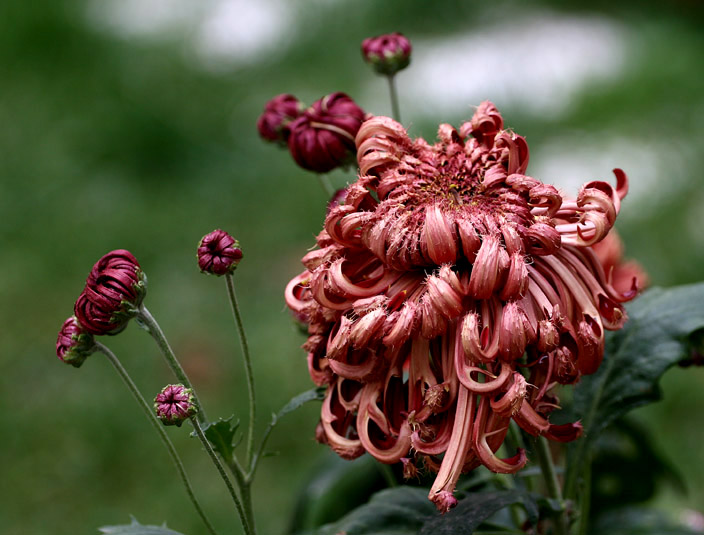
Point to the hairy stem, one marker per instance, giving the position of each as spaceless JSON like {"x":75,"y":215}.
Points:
{"x":247,"y":366}
{"x":248,"y":529}
{"x":147,"y":322}
{"x":553,"y":485}
{"x":151,"y":416}
{"x":395,"y":111}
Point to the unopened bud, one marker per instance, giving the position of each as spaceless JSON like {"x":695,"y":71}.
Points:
{"x":114,"y":291}
{"x":218,"y":253}
{"x":175,"y":404}
{"x":74,"y":344}
{"x":278,"y":113}
{"x":322,"y":139}
{"x":388,"y":53}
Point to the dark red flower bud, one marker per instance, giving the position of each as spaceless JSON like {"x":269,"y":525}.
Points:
{"x":175,"y":404}
{"x":388,"y":53}
{"x":74,"y":344}
{"x":278,"y":113}
{"x":218,"y":253}
{"x":323,"y":137}
{"x":114,"y":291}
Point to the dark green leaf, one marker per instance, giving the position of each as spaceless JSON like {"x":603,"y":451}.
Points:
{"x":335,"y":488}
{"x":638,"y":521}
{"x":221,"y":435}
{"x":656,"y":337}
{"x":407,"y":511}
{"x":135,"y":528}
{"x":472,"y":510}
{"x":396,"y":511}
{"x":314,"y":394}
{"x":618,"y":478}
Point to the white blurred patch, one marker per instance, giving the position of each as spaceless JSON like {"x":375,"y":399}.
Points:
{"x":539,"y":61}
{"x":238,"y":30}
{"x":143,"y":18}
{"x":655,"y":170}
{"x":221,"y":31}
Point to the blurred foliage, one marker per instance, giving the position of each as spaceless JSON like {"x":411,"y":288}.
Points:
{"x":117,"y":139}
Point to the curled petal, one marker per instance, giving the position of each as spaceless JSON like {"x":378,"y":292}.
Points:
{"x":471,"y":242}
{"x":510,"y":402}
{"x":515,"y":332}
{"x":485,"y":271}
{"x":368,"y":328}
{"x":338,"y":424}
{"x":438,"y":237}
{"x":443,"y":298}
{"x":484,"y":451}
{"x":517,"y":279}
{"x":404,"y":325}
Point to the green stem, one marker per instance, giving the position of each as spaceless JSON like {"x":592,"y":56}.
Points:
{"x":147,"y":322}
{"x":553,"y":485}
{"x":151,"y":416}
{"x":325,"y":183}
{"x":395,"y":111}
{"x":247,"y":366}
{"x":585,"y":502}
{"x":248,"y":529}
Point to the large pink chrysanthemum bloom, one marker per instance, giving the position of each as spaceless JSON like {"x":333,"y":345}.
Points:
{"x":451,"y":293}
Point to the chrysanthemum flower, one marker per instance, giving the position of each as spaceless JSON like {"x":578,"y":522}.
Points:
{"x":450,"y":294}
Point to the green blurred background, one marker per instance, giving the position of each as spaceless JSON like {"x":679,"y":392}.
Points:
{"x":131,"y":124}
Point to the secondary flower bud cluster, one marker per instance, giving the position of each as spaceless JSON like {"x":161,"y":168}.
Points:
{"x":320,"y":138}
{"x":450,"y":294}
{"x":113,"y":292}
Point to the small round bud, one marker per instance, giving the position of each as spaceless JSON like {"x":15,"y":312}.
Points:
{"x":114,"y":291}
{"x":174,"y":404}
{"x":322,"y":139}
{"x":218,"y":253}
{"x":388,"y":53}
{"x":74,"y":344}
{"x":278,"y":113}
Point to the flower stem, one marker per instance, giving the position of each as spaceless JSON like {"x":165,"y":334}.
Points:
{"x":585,"y":502}
{"x":248,"y":529}
{"x":147,"y":322}
{"x":159,"y":429}
{"x":325,"y":183}
{"x":395,"y":111}
{"x":553,"y":485}
{"x":247,"y":366}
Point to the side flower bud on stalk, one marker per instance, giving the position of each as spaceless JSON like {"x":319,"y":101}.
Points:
{"x":175,"y":404}
{"x":218,"y":253}
{"x":388,"y":53}
{"x":322,"y":138}
{"x":273,"y":124}
{"x":452,"y":293}
{"x":74,"y":344}
{"x":112,"y":295}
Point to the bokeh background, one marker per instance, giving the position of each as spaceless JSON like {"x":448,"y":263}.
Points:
{"x":131,"y":124}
